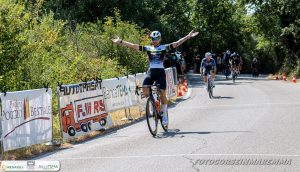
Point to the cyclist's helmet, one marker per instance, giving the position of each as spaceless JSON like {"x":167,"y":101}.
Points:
{"x":155,"y":34}
{"x":208,"y":54}
{"x":228,"y":52}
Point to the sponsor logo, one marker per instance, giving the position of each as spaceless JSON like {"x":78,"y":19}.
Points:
{"x":30,"y":166}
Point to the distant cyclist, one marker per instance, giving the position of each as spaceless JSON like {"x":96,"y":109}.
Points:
{"x":208,"y":66}
{"x":235,"y":63}
{"x":254,"y":67}
{"x":156,"y":54}
{"x":226,"y":64}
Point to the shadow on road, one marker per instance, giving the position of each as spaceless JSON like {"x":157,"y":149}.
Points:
{"x":181,"y":134}
{"x":237,"y":82}
{"x":223,"y":97}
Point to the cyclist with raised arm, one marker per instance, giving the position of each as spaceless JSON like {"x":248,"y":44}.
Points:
{"x":208,"y":65}
{"x":156,"y":54}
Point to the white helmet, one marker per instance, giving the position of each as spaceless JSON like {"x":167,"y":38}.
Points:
{"x":208,"y":54}
{"x":155,"y":34}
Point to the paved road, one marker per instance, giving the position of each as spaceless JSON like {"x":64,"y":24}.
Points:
{"x":251,"y":122}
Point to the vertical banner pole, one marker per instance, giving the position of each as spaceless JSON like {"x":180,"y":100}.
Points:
{"x":1,"y":136}
{"x":130,"y":114}
{"x":52,"y":139}
{"x":59,"y":112}
{"x":126,"y":114}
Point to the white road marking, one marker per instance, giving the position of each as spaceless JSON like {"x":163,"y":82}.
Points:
{"x":243,"y":105}
{"x":175,"y":155}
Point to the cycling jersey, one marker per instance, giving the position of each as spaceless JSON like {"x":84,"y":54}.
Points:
{"x":156,"y":54}
{"x":156,"y":57}
{"x":208,"y":66}
{"x":235,"y":59}
{"x":226,"y":58}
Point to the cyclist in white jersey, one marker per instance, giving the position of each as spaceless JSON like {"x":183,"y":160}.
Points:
{"x":156,"y":54}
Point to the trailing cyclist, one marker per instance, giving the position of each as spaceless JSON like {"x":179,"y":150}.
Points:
{"x":226,"y":59}
{"x":156,"y":54}
{"x":235,"y":63}
{"x":254,"y":67}
{"x":208,"y":65}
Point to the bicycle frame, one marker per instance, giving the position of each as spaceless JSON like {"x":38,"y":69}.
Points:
{"x":156,"y":105}
{"x":234,"y":72}
{"x":227,"y":70}
{"x":157,"y":100}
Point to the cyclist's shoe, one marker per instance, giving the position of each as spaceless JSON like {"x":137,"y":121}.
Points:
{"x":164,"y":119}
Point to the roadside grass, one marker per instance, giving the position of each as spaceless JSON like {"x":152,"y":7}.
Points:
{"x":271,"y":77}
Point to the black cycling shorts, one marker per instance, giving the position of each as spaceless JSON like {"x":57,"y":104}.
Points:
{"x":207,"y":70}
{"x":157,"y":75}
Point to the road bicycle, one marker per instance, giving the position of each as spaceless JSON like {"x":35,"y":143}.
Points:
{"x":227,"y":71}
{"x":153,"y":109}
{"x":234,"y":74}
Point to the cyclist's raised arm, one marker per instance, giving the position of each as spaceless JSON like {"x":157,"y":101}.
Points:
{"x":182,"y":40}
{"x":117,"y":40}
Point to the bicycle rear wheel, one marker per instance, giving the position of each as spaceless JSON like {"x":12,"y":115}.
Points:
{"x":165,"y":127}
{"x":210,"y":89}
{"x":152,"y":116}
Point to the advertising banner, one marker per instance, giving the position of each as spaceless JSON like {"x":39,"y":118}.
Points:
{"x":82,"y":109}
{"x":141,"y":98}
{"x":175,"y":75}
{"x":116,"y":94}
{"x":170,"y":83}
{"x":26,"y":118}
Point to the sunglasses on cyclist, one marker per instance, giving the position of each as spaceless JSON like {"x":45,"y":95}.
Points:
{"x":155,"y":39}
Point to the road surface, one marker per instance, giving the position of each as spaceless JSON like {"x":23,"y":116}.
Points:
{"x":253,"y":125}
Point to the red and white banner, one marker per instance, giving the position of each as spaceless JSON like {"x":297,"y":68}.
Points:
{"x":82,"y":109}
{"x":26,"y":118}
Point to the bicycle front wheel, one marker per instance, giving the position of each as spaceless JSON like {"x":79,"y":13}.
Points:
{"x":210,"y":92}
{"x":152,"y":116}
{"x":233,"y":77}
{"x":210,"y":89}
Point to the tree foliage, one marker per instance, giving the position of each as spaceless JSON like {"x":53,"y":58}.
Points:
{"x":36,"y":49}
{"x":69,"y":40}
